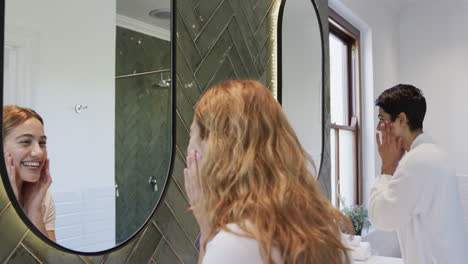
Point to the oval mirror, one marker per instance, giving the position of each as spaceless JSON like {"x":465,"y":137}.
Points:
{"x":99,"y":73}
{"x":300,"y":73}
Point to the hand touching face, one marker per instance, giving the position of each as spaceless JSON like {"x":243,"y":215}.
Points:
{"x":397,"y":126}
{"x":34,"y":193}
{"x":390,"y":148}
{"x":196,"y":148}
{"x":193,"y":180}
{"x":28,"y":167}
{"x":192,"y":175}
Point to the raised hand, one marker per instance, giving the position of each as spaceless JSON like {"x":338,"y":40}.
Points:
{"x":11,"y":173}
{"x":192,"y":175}
{"x":34,"y":193}
{"x":390,"y":148}
{"x":193,"y":180}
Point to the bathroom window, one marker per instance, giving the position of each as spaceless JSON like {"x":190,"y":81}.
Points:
{"x":344,"y":110}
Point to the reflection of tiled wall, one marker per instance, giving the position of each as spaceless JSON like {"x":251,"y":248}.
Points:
{"x":217,"y":39}
{"x":142,"y":148}
{"x":85,"y":220}
{"x":139,"y":53}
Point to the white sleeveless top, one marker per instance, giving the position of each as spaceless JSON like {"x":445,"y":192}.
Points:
{"x":229,"y":248}
{"x":48,"y":212}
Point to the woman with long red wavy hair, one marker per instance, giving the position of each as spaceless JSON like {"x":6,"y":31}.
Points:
{"x":25,"y":153}
{"x":249,"y":186}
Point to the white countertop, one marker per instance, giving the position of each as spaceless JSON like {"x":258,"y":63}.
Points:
{"x":380,"y":260}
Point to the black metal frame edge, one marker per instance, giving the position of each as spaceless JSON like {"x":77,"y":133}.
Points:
{"x":280,"y":69}
{"x":279,"y":53}
{"x":3,"y":171}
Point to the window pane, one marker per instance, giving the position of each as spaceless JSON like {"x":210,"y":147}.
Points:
{"x":347,"y":166}
{"x":338,"y":81}
{"x":333,"y":166}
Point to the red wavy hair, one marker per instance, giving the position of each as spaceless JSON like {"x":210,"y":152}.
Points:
{"x":256,"y":170}
{"x":14,"y":116}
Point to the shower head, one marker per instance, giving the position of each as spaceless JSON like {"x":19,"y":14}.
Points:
{"x":163,"y":84}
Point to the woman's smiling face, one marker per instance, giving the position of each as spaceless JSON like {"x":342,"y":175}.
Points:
{"x":26,"y":144}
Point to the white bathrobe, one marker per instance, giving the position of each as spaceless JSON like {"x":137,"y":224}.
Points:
{"x":421,"y":202}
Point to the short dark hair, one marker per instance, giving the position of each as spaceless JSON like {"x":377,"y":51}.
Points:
{"x":404,"y":98}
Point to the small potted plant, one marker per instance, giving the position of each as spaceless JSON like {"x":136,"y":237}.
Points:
{"x":358,"y":216}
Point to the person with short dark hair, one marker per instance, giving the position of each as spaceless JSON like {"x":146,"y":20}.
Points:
{"x":417,"y":193}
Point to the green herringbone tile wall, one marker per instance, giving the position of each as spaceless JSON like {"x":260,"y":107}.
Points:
{"x":142,"y":148}
{"x":216,"y":40}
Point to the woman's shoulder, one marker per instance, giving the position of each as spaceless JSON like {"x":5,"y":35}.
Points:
{"x":230,"y":246}
{"x":230,"y":236}
{"x":48,"y":201}
{"x":48,"y":211}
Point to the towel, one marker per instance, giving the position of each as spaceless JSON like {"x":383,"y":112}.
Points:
{"x":362,"y":252}
{"x":351,"y":241}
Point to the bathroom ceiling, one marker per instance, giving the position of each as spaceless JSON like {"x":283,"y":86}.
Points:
{"x":139,"y":10}
{"x":399,"y":5}
{"x":396,"y":5}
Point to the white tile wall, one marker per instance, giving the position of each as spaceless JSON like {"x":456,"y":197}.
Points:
{"x":463,"y":184}
{"x":86,"y":219}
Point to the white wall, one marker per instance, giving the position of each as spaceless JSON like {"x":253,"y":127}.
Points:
{"x":379,"y":28}
{"x":424,"y":44}
{"x":71,"y":60}
{"x":434,"y":58}
{"x":302,"y":74}
{"x":463,"y":188}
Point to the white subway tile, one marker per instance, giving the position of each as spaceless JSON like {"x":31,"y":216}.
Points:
{"x":98,"y":246}
{"x":98,"y":237}
{"x":69,"y":232}
{"x":99,"y":225}
{"x":71,"y":243}
{"x":96,"y":215}
{"x":68,"y":220}
{"x":60,"y":197}
{"x":68,"y":208}
{"x":104,"y":204}
{"x":99,"y":193}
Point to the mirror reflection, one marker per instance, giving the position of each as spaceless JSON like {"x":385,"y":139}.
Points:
{"x":89,"y":145}
{"x":28,"y":166}
{"x":301,"y":59}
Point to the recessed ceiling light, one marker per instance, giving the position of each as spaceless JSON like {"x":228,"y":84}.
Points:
{"x":162,"y":13}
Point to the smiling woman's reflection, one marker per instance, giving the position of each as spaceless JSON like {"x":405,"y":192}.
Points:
{"x":27,"y":164}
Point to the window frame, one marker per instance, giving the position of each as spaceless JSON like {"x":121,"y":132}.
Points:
{"x":350,"y":35}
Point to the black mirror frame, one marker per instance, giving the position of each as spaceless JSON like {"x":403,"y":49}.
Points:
{"x":280,"y":70}
{"x":3,"y":171}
